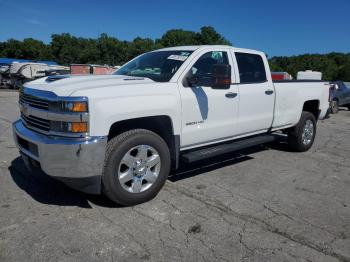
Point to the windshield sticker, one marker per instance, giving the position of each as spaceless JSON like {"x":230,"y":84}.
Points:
{"x":178,"y":57}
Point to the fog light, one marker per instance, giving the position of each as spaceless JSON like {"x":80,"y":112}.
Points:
{"x":78,"y":127}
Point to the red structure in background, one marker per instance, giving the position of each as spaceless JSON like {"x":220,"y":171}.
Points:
{"x":281,"y":76}
{"x":83,"y":69}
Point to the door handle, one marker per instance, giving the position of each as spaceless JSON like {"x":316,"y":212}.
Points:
{"x":231,"y":95}
{"x":269,"y":92}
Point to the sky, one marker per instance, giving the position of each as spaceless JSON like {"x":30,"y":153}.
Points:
{"x":279,"y":28}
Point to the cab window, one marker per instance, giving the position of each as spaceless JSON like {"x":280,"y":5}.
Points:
{"x":204,"y":65}
{"x":203,"y":68}
{"x":251,"y":68}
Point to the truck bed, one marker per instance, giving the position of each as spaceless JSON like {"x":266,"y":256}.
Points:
{"x":290,"y":97}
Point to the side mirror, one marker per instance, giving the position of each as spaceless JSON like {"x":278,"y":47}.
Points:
{"x":193,"y":81}
{"x":221,"y":77}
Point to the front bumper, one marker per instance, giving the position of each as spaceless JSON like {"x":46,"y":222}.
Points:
{"x":76,"y":162}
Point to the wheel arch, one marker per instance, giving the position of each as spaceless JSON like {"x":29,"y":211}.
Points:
{"x":161,"y":125}
{"x":312,"y":106}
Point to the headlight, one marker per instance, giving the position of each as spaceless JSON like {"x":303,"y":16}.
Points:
{"x":80,"y":106}
{"x":74,"y":118}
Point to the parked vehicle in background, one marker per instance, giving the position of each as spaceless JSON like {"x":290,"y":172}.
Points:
{"x":340,"y":96}
{"x":4,"y":72}
{"x":15,"y":72}
{"x":121,"y":134}
{"x":5,"y":63}
{"x":309,"y":75}
{"x":281,"y":76}
{"x":21,"y":73}
{"x":4,"y":68}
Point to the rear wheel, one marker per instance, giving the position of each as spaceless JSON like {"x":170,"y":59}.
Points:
{"x":302,"y":136}
{"x":136,"y":167}
{"x":348,"y":106}
{"x":334,"y":106}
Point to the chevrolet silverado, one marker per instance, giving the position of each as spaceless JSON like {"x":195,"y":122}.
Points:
{"x":122,"y":134}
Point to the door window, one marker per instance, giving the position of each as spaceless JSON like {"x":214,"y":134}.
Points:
{"x":203,"y":68}
{"x":251,"y":68}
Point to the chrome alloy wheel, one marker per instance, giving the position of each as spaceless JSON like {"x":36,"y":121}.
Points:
{"x":139,"y":168}
{"x":308,"y":132}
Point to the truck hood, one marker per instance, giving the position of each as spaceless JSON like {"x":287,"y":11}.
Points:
{"x":65,"y":85}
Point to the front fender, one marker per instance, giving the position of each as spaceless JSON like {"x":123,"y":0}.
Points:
{"x":105,"y":110}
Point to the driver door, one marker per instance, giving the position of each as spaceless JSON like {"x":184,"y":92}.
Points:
{"x":208,"y":115}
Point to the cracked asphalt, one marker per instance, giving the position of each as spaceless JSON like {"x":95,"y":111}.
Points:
{"x":262,"y":204}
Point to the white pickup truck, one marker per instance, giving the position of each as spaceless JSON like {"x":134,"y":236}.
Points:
{"x":122,"y":134}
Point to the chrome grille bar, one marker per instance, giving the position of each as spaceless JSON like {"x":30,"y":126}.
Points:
{"x":40,"y":120}
{"x":34,"y":122}
{"x":34,"y":102}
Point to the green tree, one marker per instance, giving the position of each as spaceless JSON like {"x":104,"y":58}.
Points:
{"x":111,"y":50}
{"x":35,"y":50}
{"x":13,"y":48}
{"x":329,"y":64}
{"x":208,"y":36}
{"x":344,"y":72}
{"x":274,"y":67}
{"x":89,"y":52}
{"x":178,"y":37}
{"x":67,"y":49}
{"x":139,"y":46}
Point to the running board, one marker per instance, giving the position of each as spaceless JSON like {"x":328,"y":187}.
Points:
{"x":226,"y":148}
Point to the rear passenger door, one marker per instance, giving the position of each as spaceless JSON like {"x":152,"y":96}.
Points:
{"x":257,"y":97}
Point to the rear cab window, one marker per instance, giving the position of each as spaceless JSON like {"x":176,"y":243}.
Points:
{"x":251,"y":68}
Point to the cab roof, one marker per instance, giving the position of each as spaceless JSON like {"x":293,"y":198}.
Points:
{"x":197,"y":47}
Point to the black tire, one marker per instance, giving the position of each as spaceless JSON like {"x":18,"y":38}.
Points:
{"x":348,"y":106}
{"x":334,"y":106}
{"x":295,"y":135}
{"x":117,"y":147}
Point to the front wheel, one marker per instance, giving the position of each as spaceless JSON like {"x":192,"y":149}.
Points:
{"x":137,"y":164}
{"x":302,"y":136}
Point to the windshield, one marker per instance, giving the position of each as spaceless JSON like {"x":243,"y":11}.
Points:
{"x":160,"y":66}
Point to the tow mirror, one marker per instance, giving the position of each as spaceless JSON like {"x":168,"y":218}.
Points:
{"x":221,"y":76}
{"x":193,"y":81}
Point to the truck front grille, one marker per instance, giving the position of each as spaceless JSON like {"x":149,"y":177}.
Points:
{"x":36,"y":123}
{"x":43,"y":112}
{"x":33,"y":101}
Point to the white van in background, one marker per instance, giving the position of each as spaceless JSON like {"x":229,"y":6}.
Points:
{"x":309,"y":75}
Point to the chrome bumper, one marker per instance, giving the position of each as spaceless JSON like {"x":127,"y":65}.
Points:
{"x":76,"y":162}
